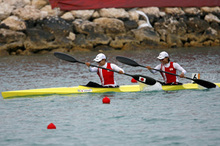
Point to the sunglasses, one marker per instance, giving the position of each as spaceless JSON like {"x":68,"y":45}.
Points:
{"x":162,"y":59}
{"x":99,"y":61}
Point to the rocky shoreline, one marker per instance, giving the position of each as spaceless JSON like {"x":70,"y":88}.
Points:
{"x":31,"y":26}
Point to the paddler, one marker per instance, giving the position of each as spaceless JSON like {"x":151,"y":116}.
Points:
{"x":106,"y":77}
{"x":168,"y":66}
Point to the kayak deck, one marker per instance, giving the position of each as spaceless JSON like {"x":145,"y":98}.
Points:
{"x":69,"y":90}
{"x":84,"y":89}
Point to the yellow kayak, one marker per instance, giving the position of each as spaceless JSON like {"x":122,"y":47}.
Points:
{"x":84,"y":89}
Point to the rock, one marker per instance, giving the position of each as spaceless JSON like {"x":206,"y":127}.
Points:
{"x":39,"y":3}
{"x":81,"y":42}
{"x":71,"y":36}
{"x":210,"y":10}
{"x":87,"y":27}
{"x":111,"y":26}
{"x":68,"y":16}
{"x":18,"y":3}
{"x":3,"y":52}
{"x":146,"y":34}
{"x":51,"y":12}
{"x":113,"y":13}
{"x":5,"y":10}
{"x":155,"y":11}
{"x":209,"y":34}
{"x":121,"y":40}
{"x":97,"y":38}
{"x":50,"y":33}
{"x":174,"y":40}
{"x":14,"y":23}
{"x":133,"y":15}
{"x":174,"y":11}
{"x":11,"y":40}
{"x":177,"y":27}
{"x":95,"y":15}
{"x":212,"y":18}
{"x":103,"y":48}
{"x":192,"y":11}
{"x":83,"y":14}
{"x":29,"y":13}
{"x":130,"y":24}
{"x":196,"y":25}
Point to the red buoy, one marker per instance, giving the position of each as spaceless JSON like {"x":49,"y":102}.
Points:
{"x":133,"y":80}
{"x":106,"y":100}
{"x":51,"y":126}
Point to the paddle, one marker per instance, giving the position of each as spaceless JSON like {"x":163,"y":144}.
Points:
{"x":140,"y":78}
{"x":128,"y":61}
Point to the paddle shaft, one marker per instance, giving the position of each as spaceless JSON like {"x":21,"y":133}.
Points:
{"x":140,"y":78}
{"x":104,"y":68}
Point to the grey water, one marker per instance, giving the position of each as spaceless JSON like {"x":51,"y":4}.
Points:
{"x":183,"y":118}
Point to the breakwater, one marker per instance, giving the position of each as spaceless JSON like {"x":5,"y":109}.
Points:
{"x":29,"y":27}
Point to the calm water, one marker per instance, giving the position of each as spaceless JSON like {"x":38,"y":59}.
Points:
{"x":183,"y":118}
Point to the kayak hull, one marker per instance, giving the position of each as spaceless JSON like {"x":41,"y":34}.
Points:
{"x":68,"y":90}
{"x":83,"y":89}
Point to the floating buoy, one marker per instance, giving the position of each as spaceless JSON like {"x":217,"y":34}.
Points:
{"x":133,"y":80}
{"x":51,"y":126}
{"x":106,"y":100}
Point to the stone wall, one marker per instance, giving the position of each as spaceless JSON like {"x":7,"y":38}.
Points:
{"x":31,"y":26}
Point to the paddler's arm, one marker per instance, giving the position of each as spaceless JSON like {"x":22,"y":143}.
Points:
{"x":179,"y":68}
{"x":151,"y":69}
{"x":91,"y":69}
{"x":116,"y":68}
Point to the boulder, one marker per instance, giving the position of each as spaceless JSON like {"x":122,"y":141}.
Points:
{"x":39,"y":3}
{"x":155,"y":11}
{"x":11,"y":40}
{"x":196,"y":24}
{"x":98,"y":38}
{"x":146,"y":34}
{"x":29,"y":13}
{"x":50,"y":33}
{"x":121,"y":40}
{"x":111,"y":26}
{"x":86,"y":27}
{"x":174,"y":11}
{"x":83,"y":14}
{"x":211,"y":18}
{"x":81,"y":42}
{"x":5,"y":10}
{"x":192,"y":11}
{"x":113,"y":13}
{"x":14,"y":23}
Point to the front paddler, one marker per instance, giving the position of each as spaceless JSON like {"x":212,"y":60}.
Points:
{"x":106,"y":76}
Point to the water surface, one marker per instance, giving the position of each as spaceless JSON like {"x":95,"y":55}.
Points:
{"x":183,"y":118}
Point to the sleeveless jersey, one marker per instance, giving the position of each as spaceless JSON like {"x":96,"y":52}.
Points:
{"x":106,"y":76}
{"x":168,"y":78}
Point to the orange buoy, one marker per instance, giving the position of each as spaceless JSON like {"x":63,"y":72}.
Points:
{"x":106,"y":100}
{"x":51,"y":126}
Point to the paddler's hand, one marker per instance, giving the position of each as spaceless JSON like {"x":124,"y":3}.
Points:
{"x":87,"y":63}
{"x":181,"y":75}
{"x":121,"y":72}
{"x":148,"y":67}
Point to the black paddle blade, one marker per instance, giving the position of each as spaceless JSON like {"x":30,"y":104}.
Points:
{"x":204,"y":83}
{"x":127,"y":61}
{"x":144,"y":79}
{"x":65,"y":57}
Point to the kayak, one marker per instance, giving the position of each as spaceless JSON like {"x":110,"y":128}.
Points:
{"x":84,"y":89}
